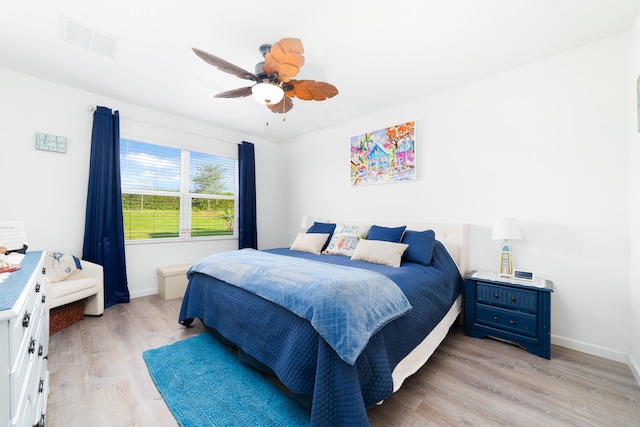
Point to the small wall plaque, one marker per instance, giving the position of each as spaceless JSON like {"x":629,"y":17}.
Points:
{"x":46,"y":142}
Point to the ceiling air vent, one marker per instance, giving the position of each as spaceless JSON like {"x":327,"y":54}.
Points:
{"x":80,"y":35}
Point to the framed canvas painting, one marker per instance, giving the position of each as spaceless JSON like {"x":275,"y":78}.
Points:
{"x":384,"y":155}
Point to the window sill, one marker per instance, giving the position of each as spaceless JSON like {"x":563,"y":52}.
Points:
{"x":178,"y":240}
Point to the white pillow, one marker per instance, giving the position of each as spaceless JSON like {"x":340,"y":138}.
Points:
{"x":309,"y":242}
{"x":345,"y":239}
{"x":379,"y":252}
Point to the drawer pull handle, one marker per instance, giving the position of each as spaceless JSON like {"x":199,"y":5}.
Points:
{"x":41,"y":386}
{"x":40,"y":350}
{"x":26,"y":320}
{"x":513,"y":298}
{"x":32,"y":346}
{"x":511,"y":321}
{"x":37,"y":288}
{"x":495,"y":318}
{"x":44,"y":298}
{"x":496,"y":296}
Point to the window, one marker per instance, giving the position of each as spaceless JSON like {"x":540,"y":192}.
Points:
{"x":176,"y":194}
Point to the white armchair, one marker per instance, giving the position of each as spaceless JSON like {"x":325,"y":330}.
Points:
{"x":86,"y":283}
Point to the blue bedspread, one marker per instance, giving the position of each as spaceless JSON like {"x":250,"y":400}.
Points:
{"x":302,"y":359}
{"x":321,"y":293}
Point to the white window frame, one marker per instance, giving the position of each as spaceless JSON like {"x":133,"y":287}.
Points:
{"x":186,"y":197}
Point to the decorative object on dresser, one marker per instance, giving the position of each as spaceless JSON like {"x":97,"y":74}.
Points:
{"x":76,"y":288}
{"x":13,"y":239}
{"x":24,"y":345}
{"x":506,"y":229}
{"x":511,"y":310}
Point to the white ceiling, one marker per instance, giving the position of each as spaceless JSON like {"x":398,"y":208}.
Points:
{"x":377,"y":52}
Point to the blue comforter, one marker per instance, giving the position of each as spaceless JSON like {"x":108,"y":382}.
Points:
{"x":302,"y":359}
{"x":321,"y":293}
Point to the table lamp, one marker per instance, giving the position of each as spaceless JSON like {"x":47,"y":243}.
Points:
{"x":306,"y":223}
{"x":506,"y":229}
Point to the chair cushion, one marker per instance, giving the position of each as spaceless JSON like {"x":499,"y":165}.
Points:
{"x":66,"y":291}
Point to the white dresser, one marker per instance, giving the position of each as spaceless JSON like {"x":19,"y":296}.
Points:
{"x":24,"y":345}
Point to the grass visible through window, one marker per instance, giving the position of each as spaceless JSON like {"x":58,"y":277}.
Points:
{"x":157,"y":224}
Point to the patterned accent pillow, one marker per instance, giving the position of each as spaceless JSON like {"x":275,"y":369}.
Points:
{"x":345,"y":239}
{"x":59,"y":266}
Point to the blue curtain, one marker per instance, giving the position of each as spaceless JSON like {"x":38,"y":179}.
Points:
{"x":104,"y":229}
{"x":247,"y":226}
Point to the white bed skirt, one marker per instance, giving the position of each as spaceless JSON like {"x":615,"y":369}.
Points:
{"x":419,"y":355}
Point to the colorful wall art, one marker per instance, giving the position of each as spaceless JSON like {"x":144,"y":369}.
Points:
{"x":384,"y":155}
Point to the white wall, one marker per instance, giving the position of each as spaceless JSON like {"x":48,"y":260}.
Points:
{"x":47,"y":191}
{"x":634,"y":202}
{"x":546,"y":142}
{"x":554,"y":133}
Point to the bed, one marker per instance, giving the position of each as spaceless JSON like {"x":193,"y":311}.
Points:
{"x":338,"y":382}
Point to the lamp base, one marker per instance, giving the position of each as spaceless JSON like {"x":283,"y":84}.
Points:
{"x":506,"y":263}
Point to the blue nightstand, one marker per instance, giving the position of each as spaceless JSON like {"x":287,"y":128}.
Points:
{"x":511,"y":310}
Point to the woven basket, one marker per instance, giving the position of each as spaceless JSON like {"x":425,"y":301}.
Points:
{"x":66,"y":315}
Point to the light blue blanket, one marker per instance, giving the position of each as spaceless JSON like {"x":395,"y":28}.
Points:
{"x":345,"y":305}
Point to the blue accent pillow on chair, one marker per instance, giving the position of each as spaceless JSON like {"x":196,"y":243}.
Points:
{"x":388,"y":234}
{"x":323,"y":227}
{"x":420,"y":248}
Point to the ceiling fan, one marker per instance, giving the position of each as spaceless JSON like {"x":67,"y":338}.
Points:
{"x":273,"y":80}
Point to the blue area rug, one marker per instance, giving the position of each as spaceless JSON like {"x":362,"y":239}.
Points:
{"x":204,"y":384}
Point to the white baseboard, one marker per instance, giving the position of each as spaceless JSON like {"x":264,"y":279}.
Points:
{"x":599,"y":351}
{"x":592,"y":349}
{"x":144,"y":293}
{"x":635,"y":368}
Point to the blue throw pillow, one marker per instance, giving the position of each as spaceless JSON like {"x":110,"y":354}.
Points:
{"x":388,"y":234}
{"x":420,"y":248}
{"x":323,"y":227}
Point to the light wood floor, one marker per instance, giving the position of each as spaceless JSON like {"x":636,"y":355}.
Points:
{"x":98,"y":378}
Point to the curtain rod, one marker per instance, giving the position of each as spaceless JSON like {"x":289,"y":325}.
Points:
{"x":92,"y":108}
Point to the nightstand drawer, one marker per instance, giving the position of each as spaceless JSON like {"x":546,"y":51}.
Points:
{"x":515,"y":321}
{"x":504,"y":296}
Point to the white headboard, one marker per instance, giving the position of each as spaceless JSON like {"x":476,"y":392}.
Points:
{"x":454,"y":236}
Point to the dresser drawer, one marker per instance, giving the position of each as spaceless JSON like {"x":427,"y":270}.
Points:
{"x":21,"y":328}
{"x":28,"y":395}
{"x":504,"y":296}
{"x":41,"y":403}
{"x":507,"y":320}
{"x":28,"y":365}
{"x":24,"y":340}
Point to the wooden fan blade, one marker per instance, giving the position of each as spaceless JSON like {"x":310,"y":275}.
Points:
{"x":235,"y":93}
{"x":281,"y":107}
{"x":285,"y":59}
{"x":310,"y":90}
{"x":225,"y":66}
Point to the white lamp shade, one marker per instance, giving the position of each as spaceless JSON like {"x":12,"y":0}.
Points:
{"x":306,"y":222}
{"x":506,"y":229}
{"x":267,"y":93}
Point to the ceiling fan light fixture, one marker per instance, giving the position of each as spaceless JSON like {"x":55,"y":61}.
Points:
{"x":267,"y":93}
